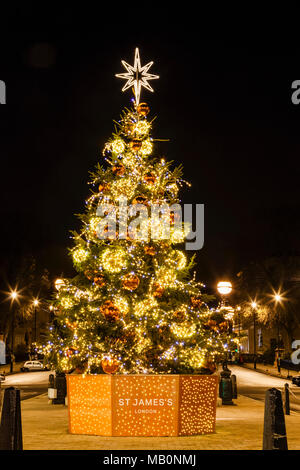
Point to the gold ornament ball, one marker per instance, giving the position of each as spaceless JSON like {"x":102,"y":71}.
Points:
{"x":99,"y":281}
{"x":110,"y":365}
{"x":159,"y":290}
{"x":131,"y":282}
{"x":143,"y":109}
{"x":150,"y":178}
{"x":118,"y":170}
{"x":103,"y":187}
{"x":196,"y":302}
{"x":140,"y":200}
{"x":149,"y":250}
{"x":135,"y":145}
{"x":110,"y":311}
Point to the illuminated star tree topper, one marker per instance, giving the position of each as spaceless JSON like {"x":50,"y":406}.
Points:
{"x":137,"y":76}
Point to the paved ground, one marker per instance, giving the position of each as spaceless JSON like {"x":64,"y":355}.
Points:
{"x":272,"y":370}
{"x":31,"y":384}
{"x":240,"y":427}
{"x":254,"y":385}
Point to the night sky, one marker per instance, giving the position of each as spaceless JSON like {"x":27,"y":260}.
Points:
{"x":225,"y":106}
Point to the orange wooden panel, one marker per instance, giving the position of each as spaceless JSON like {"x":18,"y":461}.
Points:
{"x":145,"y":405}
{"x":89,"y":402}
{"x":197,"y":404}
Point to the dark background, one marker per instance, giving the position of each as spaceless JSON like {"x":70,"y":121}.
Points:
{"x":225,"y":106}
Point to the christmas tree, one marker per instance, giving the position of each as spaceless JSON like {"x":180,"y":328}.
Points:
{"x":133,"y":306}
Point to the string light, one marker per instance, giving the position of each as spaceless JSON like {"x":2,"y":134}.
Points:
{"x":114,"y":260}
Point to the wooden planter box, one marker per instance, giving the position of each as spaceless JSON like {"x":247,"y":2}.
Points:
{"x":142,"y":405}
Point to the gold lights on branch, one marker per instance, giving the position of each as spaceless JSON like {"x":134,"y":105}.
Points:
{"x":80,"y":255}
{"x":114,"y":260}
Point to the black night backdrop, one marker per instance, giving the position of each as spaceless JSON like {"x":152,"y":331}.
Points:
{"x":225,"y":107}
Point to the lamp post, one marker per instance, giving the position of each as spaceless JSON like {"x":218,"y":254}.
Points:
{"x":239,"y":320}
{"x":254,"y":305}
{"x":224,"y":289}
{"x":35,"y":304}
{"x":226,"y":389}
{"x":14,"y":297}
{"x":277,"y":298}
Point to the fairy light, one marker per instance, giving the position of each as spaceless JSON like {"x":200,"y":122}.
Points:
{"x":66,"y":302}
{"x":142,"y":128}
{"x":182,"y":330}
{"x":118,"y":146}
{"x":80,"y":255}
{"x":146,"y":148}
{"x":124,"y":186}
{"x":114,"y":260}
{"x":121,"y":303}
{"x":144,"y":306}
{"x":81,"y":336}
{"x":180,"y":259}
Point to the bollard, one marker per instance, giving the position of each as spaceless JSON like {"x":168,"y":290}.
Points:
{"x":287,"y":399}
{"x":225,"y":388}
{"x":11,"y":423}
{"x":51,"y":381}
{"x":274,"y":437}
{"x":61,"y":387}
{"x":52,"y":392}
{"x":234,"y":386}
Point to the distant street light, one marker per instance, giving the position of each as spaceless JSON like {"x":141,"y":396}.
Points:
{"x":14,"y":294}
{"x":254,"y":306}
{"x":59,"y":283}
{"x":35,"y":303}
{"x":278,"y":298}
{"x":224,"y":287}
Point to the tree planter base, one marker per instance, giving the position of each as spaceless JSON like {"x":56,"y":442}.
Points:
{"x":142,"y":405}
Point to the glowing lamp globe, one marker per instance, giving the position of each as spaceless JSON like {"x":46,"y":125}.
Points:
{"x":59,"y":283}
{"x":224,"y":287}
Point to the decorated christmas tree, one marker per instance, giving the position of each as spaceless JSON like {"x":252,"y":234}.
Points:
{"x":133,"y":306}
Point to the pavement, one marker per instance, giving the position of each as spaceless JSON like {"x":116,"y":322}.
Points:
{"x":271,"y":370}
{"x":238,"y":427}
{"x":6,"y":368}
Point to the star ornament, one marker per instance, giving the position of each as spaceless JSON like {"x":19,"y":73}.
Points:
{"x":137,"y":76}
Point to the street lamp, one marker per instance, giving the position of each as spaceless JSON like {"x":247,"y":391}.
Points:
{"x":13,"y":296}
{"x":224,"y":288}
{"x":35,"y":304}
{"x":277,"y":298}
{"x":254,"y":306}
{"x":59,"y":283}
{"x":239,"y":320}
